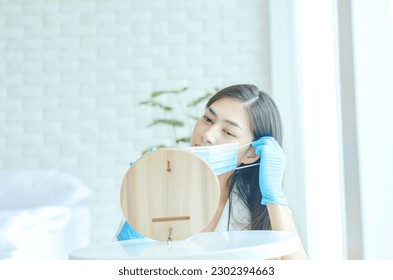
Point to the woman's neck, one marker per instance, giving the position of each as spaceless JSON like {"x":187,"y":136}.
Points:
{"x":224,"y":187}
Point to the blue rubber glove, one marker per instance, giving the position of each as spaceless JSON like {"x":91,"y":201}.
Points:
{"x":127,"y":232}
{"x":271,"y":170}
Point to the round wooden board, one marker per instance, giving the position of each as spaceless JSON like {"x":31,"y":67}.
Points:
{"x":169,"y":193}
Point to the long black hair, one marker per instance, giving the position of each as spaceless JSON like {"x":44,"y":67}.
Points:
{"x":265,"y":120}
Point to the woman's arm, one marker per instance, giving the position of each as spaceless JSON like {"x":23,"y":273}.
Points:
{"x":281,"y":219}
{"x":271,"y":172}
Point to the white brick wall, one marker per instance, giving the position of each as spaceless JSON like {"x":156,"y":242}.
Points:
{"x":72,"y":73}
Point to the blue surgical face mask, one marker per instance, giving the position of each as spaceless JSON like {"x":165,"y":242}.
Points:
{"x":221,"y":158}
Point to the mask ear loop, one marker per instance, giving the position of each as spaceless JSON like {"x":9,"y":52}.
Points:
{"x":242,"y":146}
{"x":250,"y":165}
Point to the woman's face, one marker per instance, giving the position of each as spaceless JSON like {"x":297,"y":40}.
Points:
{"x":225,"y":121}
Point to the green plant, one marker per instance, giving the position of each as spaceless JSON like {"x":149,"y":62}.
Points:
{"x":170,"y":119}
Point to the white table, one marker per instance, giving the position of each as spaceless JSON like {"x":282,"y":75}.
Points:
{"x":207,"y":245}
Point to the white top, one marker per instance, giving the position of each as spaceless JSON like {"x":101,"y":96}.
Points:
{"x":240,"y":217}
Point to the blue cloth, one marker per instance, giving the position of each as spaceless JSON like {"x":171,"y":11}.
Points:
{"x":127,"y":232}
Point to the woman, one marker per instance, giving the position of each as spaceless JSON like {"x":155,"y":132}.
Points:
{"x":251,"y":198}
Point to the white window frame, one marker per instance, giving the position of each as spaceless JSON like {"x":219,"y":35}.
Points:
{"x":304,"y":64}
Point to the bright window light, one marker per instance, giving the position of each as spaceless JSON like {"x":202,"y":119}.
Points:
{"x":321,"y":137}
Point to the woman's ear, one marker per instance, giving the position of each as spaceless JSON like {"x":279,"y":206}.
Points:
{"x":250,"y":156}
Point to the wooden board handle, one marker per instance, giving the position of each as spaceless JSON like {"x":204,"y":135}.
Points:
{"x":170,"y":219}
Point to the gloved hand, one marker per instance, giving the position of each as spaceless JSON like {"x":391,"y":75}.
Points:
{"x":127,"y":232}
{"x":271,"y":170}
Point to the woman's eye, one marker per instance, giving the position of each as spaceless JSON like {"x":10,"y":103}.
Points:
{"x":207,"y":119}
{"x":229,"y":133}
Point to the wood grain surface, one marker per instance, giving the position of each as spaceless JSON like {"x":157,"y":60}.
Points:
{"x":169,"y":193}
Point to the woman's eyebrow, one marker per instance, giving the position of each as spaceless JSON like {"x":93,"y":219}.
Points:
{"x":227,"y":121}
{"x":212,"y":111}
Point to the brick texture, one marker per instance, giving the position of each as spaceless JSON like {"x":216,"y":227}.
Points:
{"x":72,"y":74}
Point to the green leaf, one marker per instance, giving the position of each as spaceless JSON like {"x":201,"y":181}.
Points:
{"x":183,"y":140}
{"x":199,"y":100}
{"x":156,"y":104}
{"x":158,"y":93}
{"x":170,"y":122}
